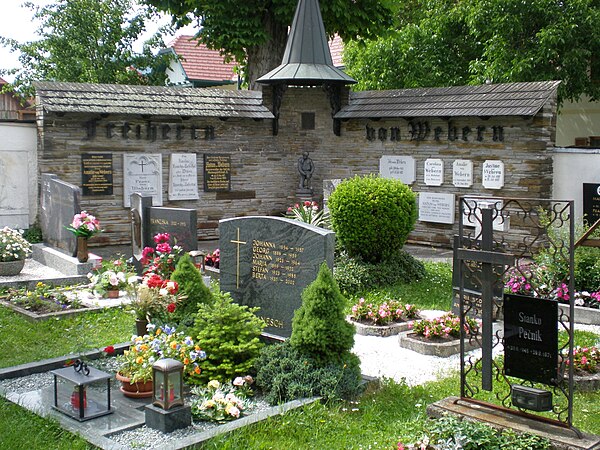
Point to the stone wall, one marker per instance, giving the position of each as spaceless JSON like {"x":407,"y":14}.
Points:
{"x":264,"y":176}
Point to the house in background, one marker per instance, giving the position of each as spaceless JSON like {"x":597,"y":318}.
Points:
{"x":197,"y":66}
{"x":11,"y":108}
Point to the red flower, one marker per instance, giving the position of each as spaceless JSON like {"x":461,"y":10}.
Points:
{"x":171,"y":286}
{"x":146,"y":254}
{"x":108,"y":350}
{"x":161,"y":238}
{"x":154,"y":281}
{"x":306,"y":203}
{"x":171,"y":307}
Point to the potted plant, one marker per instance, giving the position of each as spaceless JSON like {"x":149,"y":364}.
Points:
{"x":113,"y":277}
{"x":84,"y":226}
{"x":14,"y":248}
{"x":135,"y":365}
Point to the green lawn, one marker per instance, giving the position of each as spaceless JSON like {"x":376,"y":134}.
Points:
{"x":378,"y":420}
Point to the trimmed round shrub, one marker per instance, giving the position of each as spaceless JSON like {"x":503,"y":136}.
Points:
{"x":372,"y":216}
{"x":192,"y":288}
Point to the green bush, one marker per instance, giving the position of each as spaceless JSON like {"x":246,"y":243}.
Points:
{"x":319,"y":327}
{"x":192,"y":287}
{"x":286,"y":374}
{"x":34,"y":234}
{"x":353,"y":275}
{"x":229,"y":334}
{"x":372,"y":216}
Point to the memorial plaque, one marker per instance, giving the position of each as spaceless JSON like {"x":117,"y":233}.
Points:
{"x":217,"y":173}
{"x":493,"y":174}
{"x":472,"y":214}
{"x":433,"y":172}
{"x":531,"y":338}
{"x":402,"y":168}
{"x":96,"y":174}
{"x":183,"y":177}
{"x":180,"y":223}
{"x":60,"y":202}
{"x":591,"y":202}
{"x":462,"y":173}
{"x":142,"y":174}
{"x":436,"y":207}
{"x":268,"y":262}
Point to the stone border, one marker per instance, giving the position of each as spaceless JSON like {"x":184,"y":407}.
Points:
{"x":33,"y":317}
{"x":439,"y":349}
{"x":586,"y":383}
{"x":583,"y":314}
{"x":379,"y":330}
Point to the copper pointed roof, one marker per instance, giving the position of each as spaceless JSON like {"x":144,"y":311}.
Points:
{"x":307,"y":58}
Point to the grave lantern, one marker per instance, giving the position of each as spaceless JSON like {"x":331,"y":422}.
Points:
{"x":81,"y":392}
{"x":167,"y":376}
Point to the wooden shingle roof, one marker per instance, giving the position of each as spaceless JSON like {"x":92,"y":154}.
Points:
{"x":488,"y":100}
{"x":149,"y":100}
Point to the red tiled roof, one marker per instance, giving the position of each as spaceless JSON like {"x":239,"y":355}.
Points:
{"x":336,"y":46}
{"x":2,"y":81}
{"x":199,"y":62}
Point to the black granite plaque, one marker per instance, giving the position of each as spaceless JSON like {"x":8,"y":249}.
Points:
{"x":60,"y":202}
{"x":97,"y":174}
{"x":531,"y":338}
{"x":268,"y":261}
{"x":217,"y":173}
{"x":591,"y":202}
{"x":180,"y":223}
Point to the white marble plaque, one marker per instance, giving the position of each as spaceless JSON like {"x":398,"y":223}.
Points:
{"x":398,"y":167}
{"x":433,"y":172}
{"x":14,"y":193}
{"x":142,"y":173}
{"x":436,"y":207}
{"x":492,"y":174}
{"x":462,"y":173}
{"x":183,"y":177}
{"x":472,"y":214}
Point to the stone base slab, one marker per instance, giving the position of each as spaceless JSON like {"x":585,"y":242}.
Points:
{"x":560,"y":437}
{"x":408,"y":340}
{"x":62,"y":262}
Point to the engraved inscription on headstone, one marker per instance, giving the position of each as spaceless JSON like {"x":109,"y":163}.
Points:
{"x":180,"y":223}
{"x":96,"y":174}
{"x":183,"y":177}
{"x":436,"y":207}
{"x":217,"y":173}
{"x":531,"y":338}
{"x":60,"y":202}
{"x":268,"y":261}
{"x":142,"y":173}
{"x":492,"y":174}
{"x":402,"y":168}
{"x":462,"y":173}
{"x":591,"y":202}
{"x":433,"y":172}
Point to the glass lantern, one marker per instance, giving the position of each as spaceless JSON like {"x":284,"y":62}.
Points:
{"x":167,"y":375}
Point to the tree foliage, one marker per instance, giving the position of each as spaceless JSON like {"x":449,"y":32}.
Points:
{"x":87,"y":41}
{"x":254,"y":32}
{"x":444,"y":43}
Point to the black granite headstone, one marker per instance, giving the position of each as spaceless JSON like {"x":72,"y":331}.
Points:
{"x":591,"y":202}
{"x":268,"y":262}
{"x":531,"y":338}
{"x":60,"y":202}
{"x":180,"y":223}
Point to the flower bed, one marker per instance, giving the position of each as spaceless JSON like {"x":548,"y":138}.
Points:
{"x":388,"y":318}
{"x":441,"y":347}
{"x":391,"y":329}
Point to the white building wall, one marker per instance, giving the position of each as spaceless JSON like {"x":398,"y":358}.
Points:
{"x":580,"y":119}
{"x":18,"y":174}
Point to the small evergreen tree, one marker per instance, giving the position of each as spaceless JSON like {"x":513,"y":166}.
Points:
{"x":192,"y":287}
{"x":319,"y":327}
{"x":229,"y":334}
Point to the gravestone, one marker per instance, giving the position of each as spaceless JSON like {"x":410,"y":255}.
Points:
{"x":328,"y":188}
{"x":180,"y":223}
{"x":492,"y":174}
{"x":139,"y":224}
{"x":183,"y":177}
{"x":268,"y":262}
{"x":462,"y":173}
{"x":531,"y":338}
{"x":591,"y":202}
{"x":402,"y":168}
{"x":433,"y":172}
{"x":436,"y":207}
{"x":60,"y":202}
{"x":142,"y":174}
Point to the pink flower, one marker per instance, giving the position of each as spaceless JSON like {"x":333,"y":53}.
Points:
{"x":161,"y":238}
{"x":163,"y":247}
{"x":584,"y":360}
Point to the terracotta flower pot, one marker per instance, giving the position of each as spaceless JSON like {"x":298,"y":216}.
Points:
{"x":11,"y":268}
{"x":113,"y":293}
{"x":135,"y":390}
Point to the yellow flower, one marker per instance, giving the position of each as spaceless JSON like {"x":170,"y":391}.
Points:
{"x":139,"y":360}
{"x":197,"y":370}
{"x":214,"y":384}
{"x":144,"y":347}
{"x":174,"y":345}
{"x":186,"y":361}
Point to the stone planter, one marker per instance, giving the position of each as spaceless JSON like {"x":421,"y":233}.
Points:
{"x":587,"y":383}
{"x":583,"y":314}
{"x":135,"y":390}
{"x":379,"y":330}
{"x":440,"y":348}
{"x":11,"y":268}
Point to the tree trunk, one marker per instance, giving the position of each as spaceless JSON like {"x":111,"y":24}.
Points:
{"x":265,"y":57}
